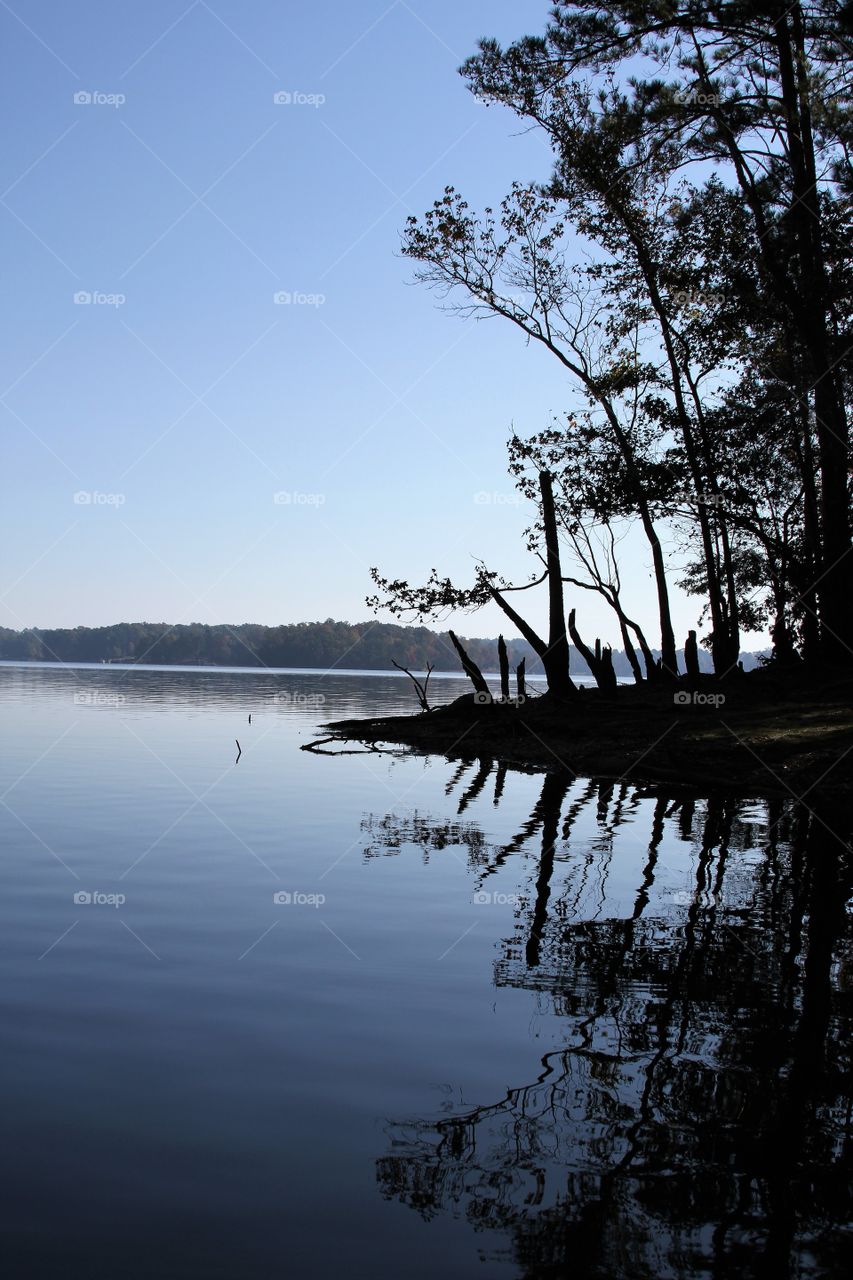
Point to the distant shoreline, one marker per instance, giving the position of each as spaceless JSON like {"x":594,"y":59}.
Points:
{"x":258,"y":671}
{"x":355,"y":646}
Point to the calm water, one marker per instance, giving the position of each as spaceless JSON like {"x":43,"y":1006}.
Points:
{"x":381,"y":1016}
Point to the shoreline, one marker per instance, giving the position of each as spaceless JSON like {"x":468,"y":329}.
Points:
{"x":770,"y":735}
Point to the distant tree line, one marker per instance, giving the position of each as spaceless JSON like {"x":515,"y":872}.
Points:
{"x":367,"y":646}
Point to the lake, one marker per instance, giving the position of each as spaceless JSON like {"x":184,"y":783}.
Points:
{"x":381,"y":1015}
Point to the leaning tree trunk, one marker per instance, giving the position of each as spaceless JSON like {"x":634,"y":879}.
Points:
{"x":470,"y":668}
{"x":630,"y":652}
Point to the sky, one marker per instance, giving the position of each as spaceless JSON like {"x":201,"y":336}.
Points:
{"x":224,"y":398}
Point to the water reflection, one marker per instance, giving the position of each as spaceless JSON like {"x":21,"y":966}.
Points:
{"x":696,"y":1119}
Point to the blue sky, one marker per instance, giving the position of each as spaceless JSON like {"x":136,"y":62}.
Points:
{"x":182,"y":198}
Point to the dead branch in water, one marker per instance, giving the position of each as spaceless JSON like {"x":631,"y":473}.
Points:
{"x":420,"y":688}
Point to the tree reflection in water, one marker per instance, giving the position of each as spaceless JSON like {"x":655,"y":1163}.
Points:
{"x":696,"y":1121}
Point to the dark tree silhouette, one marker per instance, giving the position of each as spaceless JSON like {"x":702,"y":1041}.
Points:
{"x":696,"y":1119}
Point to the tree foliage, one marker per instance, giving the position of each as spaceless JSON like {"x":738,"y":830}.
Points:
{"x":689,"y":264}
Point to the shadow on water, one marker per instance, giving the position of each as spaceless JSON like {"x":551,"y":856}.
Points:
{"x":696,"y":1118}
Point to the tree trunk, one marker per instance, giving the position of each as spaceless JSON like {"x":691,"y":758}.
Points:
{"x":653,"y":671}
{"x":601,"y":665}
{"x":503,"y":663}
{"x":556,"y":659}
{"x":669,"y":663}
{"x":811,"y":538}
{"x":470,"y":668}
{"x":691,"y":658}
{"x":835,"y":587}
{"x":630,"y":651}
{"x":554,"y":655}
{"x":720,"y":638}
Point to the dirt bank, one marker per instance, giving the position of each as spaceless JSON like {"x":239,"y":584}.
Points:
{"x":762,"y":732}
